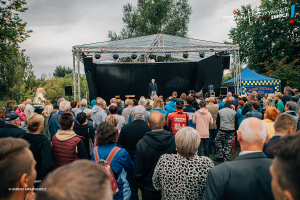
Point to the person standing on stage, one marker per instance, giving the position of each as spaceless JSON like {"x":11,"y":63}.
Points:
{"x":152,"y":89}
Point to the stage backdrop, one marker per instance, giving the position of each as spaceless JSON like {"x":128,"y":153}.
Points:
{"x":111,"y":79}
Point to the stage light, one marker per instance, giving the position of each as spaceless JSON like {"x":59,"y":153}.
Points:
{"x":97,"y":55}
{"x":115,"y":56}
{"x":151,"y":56}
{"x":201,"y":54}
{"x":133,"y":56}
{"x":168,"y":56}
{"x":185,"y":55}
{"x":217,"y":54}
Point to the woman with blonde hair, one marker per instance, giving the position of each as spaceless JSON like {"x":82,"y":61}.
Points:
{"x":267,"y":103}
{"x":158,"y":105}
{"x":270,"y":116}
{"x":47,"y":112}
{"x":20,"y":111}
{"x":182,"y":175}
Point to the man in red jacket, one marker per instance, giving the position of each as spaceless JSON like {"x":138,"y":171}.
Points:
{"x":178,"y":119}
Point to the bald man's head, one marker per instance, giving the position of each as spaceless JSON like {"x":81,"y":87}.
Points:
{"x":156,"y":120}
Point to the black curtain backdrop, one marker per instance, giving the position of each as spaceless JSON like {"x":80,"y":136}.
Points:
{"x":111,"y":79}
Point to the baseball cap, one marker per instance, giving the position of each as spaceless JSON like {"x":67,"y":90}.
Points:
{"x":12,"y":115}
{"x":179,"y":101}
{"x":139,"y":110}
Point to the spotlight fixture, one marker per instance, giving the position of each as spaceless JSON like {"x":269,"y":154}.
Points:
{"x":201,"y":54}
{"x":97,"y":55}
{"x":151,"y":56}
{"x":133,"y":56}
{"x":115,"y":56}
{"x":185,"y":55}
{"x":168,"y":56}
{"x":217,"y":54}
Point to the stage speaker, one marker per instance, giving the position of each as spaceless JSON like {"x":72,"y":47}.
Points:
{"x":226,"y":62}
{"x":68,"y":91}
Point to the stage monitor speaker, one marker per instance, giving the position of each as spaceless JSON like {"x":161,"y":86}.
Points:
{"x":226,"y":62}
{"x":68,"y":91}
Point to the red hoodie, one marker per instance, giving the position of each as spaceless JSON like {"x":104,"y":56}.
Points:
{"x":177,"y":120}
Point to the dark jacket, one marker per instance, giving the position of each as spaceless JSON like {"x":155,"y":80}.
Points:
{"x":265,"y":150}
{"x":236,"y":103}
{"x":247,"y":108}
{"x":87,"y":133}
{"x":41,"y":150}
{"x":148,"y":151}
{"x":7,"y":109}
{"x":152,"y":87}
{"x":120,"y":109}
{"x":247,"y":177}
{"x":287,"y":97}
{"x":2,"y":123}
{"x":11,"y":131}
{"x":195,"y":105}
{"x":130,"y":135}
{"x":253,"y":113}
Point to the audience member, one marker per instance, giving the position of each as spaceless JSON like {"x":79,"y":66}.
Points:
{"x":47,"y":112}
{"x":292,"y":109}
{"x":170,"y":107}
{"x":285,"y":124}
{"x":74,"y":108}
{"x":91,"y":183}
{"x":239,"y":112}
{"x":266,"y":104}
{"x":148,"y":151}
{"x":89,"y":113}
{"x":143,"y":103}
{"x":120,"y":162}
{"x":120,"y":108}
{"x":158,"y":105}
{"x":114,"y":120}
{"x":93,"y":103}
{"x":197,"y":97}
{"x":248,"y":176}
{"x":227,"y":124}
{"x":178,"y":119}
{"x":121,"y":120}
{"x":16,"y":107}
{"x":248,"y":106}
{"x":254,"y":112}
{"x":287,"y":95}
{"x":39,"y":146}
{"x":21,"y":113}
{"x":84,"y":130}
{"x":59,"y":100}
{"x":83,"y":104}
{"x":190,"y":110}
{"x":270,"y":116}
{"x":12,"y":126}
{"x":113,"y":101}
{"x":98,"y":113}
{"x":183,"y":97}
{"x":285,"y":168}
{"x":28,"y":108}
{"x":236,"y":100}
{"x":186,"y":163}
{"x":9,"y":107}
{"x":203,"y":119}
{"x":17,"y":170}
{"x":220,"y":102}
{"x":279,"y":105}
{"x":66,"y":145}
{"x":148,"y":107}
{"x":195,"y":105}
{"x":2,"y":117}
{"x":47,"y":103}
{"x":126,"y":111}
{"x":213,"y":109}
{"x":258,"y":98}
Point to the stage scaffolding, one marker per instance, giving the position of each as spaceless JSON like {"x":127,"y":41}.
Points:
{"x":159,"y":45}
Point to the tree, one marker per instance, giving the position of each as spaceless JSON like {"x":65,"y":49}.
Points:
{"x":153,"y":17}
{"x":61,"y":71}
{"x":13,"y":62}
{"x":262,"y":38}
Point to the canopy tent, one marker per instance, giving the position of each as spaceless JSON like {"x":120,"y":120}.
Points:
{"x":252,"y":81}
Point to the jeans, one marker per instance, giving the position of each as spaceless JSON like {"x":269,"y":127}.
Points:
{"x":133,"y":187}
{"x":206,"y":150}
{"x":212,"y":135}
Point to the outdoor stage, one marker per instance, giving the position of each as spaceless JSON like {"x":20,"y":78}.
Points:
{"x":108,"y":80}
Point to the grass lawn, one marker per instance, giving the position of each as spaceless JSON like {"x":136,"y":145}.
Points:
{"x":233,"y":155}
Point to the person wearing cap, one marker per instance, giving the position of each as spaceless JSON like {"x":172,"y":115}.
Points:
{"x":178,"y":119}
{"x":130,"y":135}
{"x":2,"y":117}
{"x":141,"y":102}
{"x":12,"y":127}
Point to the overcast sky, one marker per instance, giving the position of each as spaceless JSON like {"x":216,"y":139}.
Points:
{"x":58,"y":25}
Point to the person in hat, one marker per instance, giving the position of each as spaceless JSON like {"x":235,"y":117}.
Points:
{"x":178,"y":119}
{"x":12,"y":126}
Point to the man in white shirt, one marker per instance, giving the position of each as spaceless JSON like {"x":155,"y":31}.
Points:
{"x":29,"y":109}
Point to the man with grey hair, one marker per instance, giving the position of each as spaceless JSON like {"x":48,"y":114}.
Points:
{"x":113,"y":101}
{"x":152,"y":89}
{"x":98,"y":113}
{"x":54,"y":125}
{"x":28,"y":109}
{"x":83,"y":104}
{"x":292,"y":109}
{"x":2,"y":117}
{"x":12,"y":126}
{"x":287,"y":95}
{"x":89,"y":114}
{"x":142,"y":102}
{"x":248,"y":176}
{"x":130,"y":135}
{"x":126,"y":111}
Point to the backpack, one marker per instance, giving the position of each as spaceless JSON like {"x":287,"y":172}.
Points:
{"x":107,"y":168}
{"x":187,"y":119}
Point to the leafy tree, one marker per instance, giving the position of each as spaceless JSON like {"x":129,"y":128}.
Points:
{"x":61,"y":71}
{"x":13,"y":62}
{"x":262,"y":38}
{"x":154,"y":16}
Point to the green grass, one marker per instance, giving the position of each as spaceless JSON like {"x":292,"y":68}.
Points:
{"x":233,"y":155}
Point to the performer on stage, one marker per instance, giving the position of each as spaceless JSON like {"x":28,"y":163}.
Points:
{"x":152,"y":89}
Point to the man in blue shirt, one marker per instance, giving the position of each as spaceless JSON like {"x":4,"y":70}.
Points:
{"x":220,"y":102}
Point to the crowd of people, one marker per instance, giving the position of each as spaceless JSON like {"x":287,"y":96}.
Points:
{"x":73,"y":151}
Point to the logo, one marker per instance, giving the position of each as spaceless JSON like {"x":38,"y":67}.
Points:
{"x":292,"y":13}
